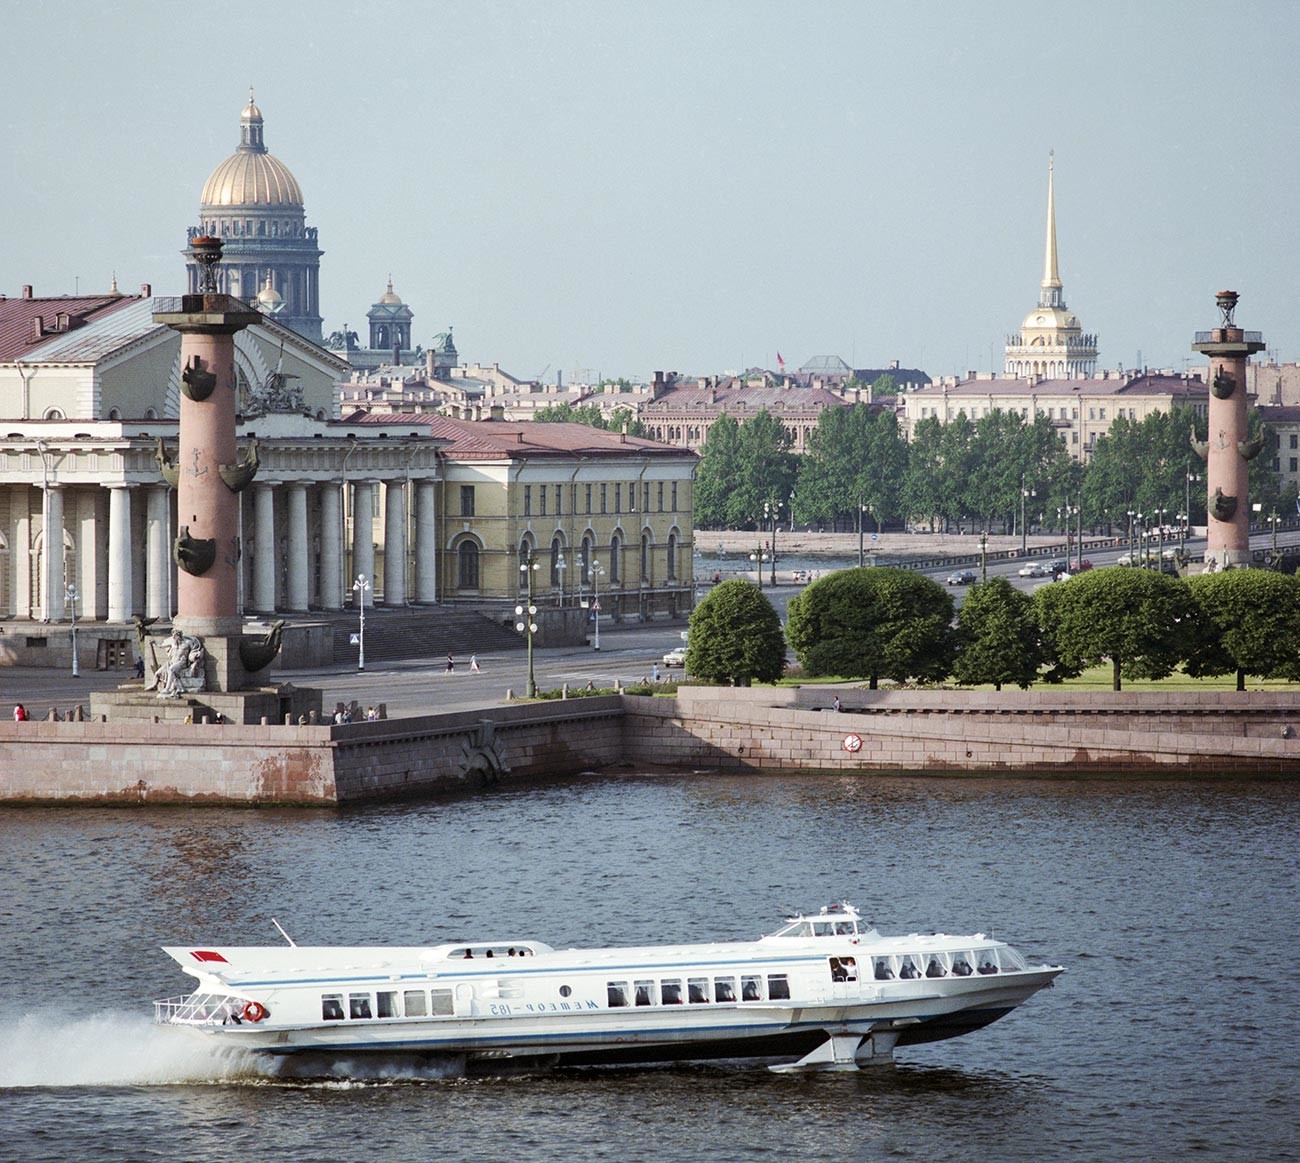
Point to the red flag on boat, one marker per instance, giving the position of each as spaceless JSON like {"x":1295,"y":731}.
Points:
{"x":207,"y":955}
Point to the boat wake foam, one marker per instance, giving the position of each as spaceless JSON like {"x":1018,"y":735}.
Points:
{"x":52,"y":1049}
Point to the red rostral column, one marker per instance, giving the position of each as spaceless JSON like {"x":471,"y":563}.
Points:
{"x":1230,"y":449}
{"x":207,"y":543}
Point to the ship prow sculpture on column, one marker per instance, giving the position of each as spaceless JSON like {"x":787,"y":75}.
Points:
{"x":1229,"y":450}
{"x":206,"y":651}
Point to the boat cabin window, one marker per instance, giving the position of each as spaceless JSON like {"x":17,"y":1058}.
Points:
{"x":1010,"y":959}
{"x":724,"y":989}
{"x":778,"y":986}
{"x":935,"y":967}
{"x":884,"y":968}
{"x":415,"y":1003}
{"x":359,"y":1005}
{"x":697,"y":989}
{"x":844,"y":968}
{"x":751,"y":988}
{"x":986,"y":963}
{"x":819,"y":927}
{"x":386,"y":1004}
{"x":442,"y":1005}
{"x":961,"y":964}
{"x":617,"y":993}
{"x":908,"y":969}
{"x":670,"y":992}
{"x":845,"y":929}
{"x":331,"y":1007}
{"x":645,"y":993}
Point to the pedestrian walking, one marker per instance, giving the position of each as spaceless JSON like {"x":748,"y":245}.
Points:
{"x":451,"y":664}
{"x":654,"y":673}
{"x":473,"y":663}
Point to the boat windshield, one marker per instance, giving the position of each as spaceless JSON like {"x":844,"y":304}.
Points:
{"x":818,"y":927}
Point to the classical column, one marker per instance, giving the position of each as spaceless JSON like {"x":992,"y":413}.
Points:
{"x":119,"y":554}
{"x":331,"y":547}
{"x":157,"y":562}
{"x":299,"y":567}
{"x":426,"y":542}
{"x":52,"y":582}
{"x":264,"y":548}
{"x":363,"y":533}
{"x":394,"y":544}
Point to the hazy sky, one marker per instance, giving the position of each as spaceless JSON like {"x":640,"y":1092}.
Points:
{"x":690,"y":186}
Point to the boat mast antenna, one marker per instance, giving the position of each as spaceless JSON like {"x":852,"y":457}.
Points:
{"x":283,"y":933}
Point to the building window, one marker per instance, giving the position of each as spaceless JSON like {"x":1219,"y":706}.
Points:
{"x":1295,"y":441}
{"x":1293,"y":464}
{"x":645,"y":498}
{"x":645,"y":555}
{"x":559,"y":500}
{"x":467,"y":500}
{"x":557,"y":559}
{"x":528,"y":500}
{"x":467,"y":566}
{"x":541,"y":494}
{"x":585,"y":561}
{"x":672,"y":556}
{"x":674,"y":496}
{"x":615,"y":545}
{"x":588,"y":491}
{"x":1092,"y":413}
{"x":618,"y":497}
{"x":661,"y":496}
{"x":604,"y":494}
{"x":1103,"y":413}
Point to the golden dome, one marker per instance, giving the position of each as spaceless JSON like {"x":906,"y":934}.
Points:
{"x":251,"y":176}
{"x":1050,"y":319}
{"x":390,"y":298}
{"x":269,"y":300}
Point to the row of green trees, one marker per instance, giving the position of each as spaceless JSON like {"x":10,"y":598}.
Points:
{"x":961,"y":470}
{"x":879,"y":623}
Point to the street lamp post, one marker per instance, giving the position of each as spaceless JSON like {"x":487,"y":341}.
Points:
{"x":527,"y":615}
{"x":1142,"y":541}
{"x":861,"y":558}
{"x":1182,"y":534}
{"x":771,"y":509}
{"x":1192,"y":478}
{"x":361,"y":585}
{"x":1161,"y":514}
{"x":984,"y":555}
{"x":560,"y":564}
{"x":596,"y":571}
{"x":1025,"y":494}
{"x":1273,"y":518}
{"x":1132,"y":543}
{"x":71,"y":596}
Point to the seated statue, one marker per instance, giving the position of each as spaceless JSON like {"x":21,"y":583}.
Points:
{"x":184,"y":671}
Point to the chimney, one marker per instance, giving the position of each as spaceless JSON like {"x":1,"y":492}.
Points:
{"x":497,"y":412}
{"x":38,"y":324}
{"x":146,"y":290}
{"x":893,"y":365}
{"x":62,"y":321}
{"x":27,"y":290}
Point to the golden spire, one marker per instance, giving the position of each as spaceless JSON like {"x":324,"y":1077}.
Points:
{"x":1051,"y":275}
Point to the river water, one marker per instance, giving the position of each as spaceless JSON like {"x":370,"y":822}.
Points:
{"x":1173,"y":906}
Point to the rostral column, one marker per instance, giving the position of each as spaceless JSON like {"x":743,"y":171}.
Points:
{"x":207,"y":546}
{"x":1229,"y":449}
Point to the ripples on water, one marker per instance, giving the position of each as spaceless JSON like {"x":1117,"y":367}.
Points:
{"x":1172,"y":1034}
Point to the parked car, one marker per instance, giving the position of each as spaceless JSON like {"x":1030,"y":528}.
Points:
{"x":1033,"y":569}
{"x":675,"y":657}
{"x":963,"y":577}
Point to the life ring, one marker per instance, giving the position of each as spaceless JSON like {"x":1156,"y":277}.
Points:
{"x":255,"y":1011}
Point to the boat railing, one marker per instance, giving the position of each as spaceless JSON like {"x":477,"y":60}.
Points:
{"x":193,"y":1010}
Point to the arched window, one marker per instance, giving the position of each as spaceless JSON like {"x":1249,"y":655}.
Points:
{"x":645,"y":557}
{"x":557,"y":561}
{"x":115,"y":413}
{"x":467,"y":562}
{"x":585,"y":560}
{"x":615,"y":557}
{"x":672,"y":556}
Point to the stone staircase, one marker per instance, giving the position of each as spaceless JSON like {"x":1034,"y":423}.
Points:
{"x":424,"y":632}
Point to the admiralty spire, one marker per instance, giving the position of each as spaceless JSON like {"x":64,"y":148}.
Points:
{"x":1051,"y":343}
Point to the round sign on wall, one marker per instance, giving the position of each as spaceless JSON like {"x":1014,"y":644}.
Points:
{"x":852,"y":743}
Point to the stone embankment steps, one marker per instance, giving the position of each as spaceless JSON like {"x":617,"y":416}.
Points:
{"x":421,"y":633}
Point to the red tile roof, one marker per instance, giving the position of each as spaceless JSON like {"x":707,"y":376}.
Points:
{"x":507,"y":439}
{"x":18,"y":339}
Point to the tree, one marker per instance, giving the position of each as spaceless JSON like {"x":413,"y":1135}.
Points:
{"x":997,"y":636}
{"x":1250,"y":624}
{"x":590,"y":414}
{"x":873,"y":623}
{"x":765,"y":469}
{"x":716,"y":472}
{"x":735,"y":636}
{"x":1144,"y":622}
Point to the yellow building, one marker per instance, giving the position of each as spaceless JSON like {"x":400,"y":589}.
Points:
{"x":607,"y":516}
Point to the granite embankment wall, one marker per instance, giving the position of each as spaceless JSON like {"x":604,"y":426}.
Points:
{"x":133,"y":762}
{"x":1134,"y":734}
{"x":1043,"y":732}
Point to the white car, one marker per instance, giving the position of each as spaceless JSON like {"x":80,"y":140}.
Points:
{"x":675,"y":657}
{"x":1033,"y":569}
